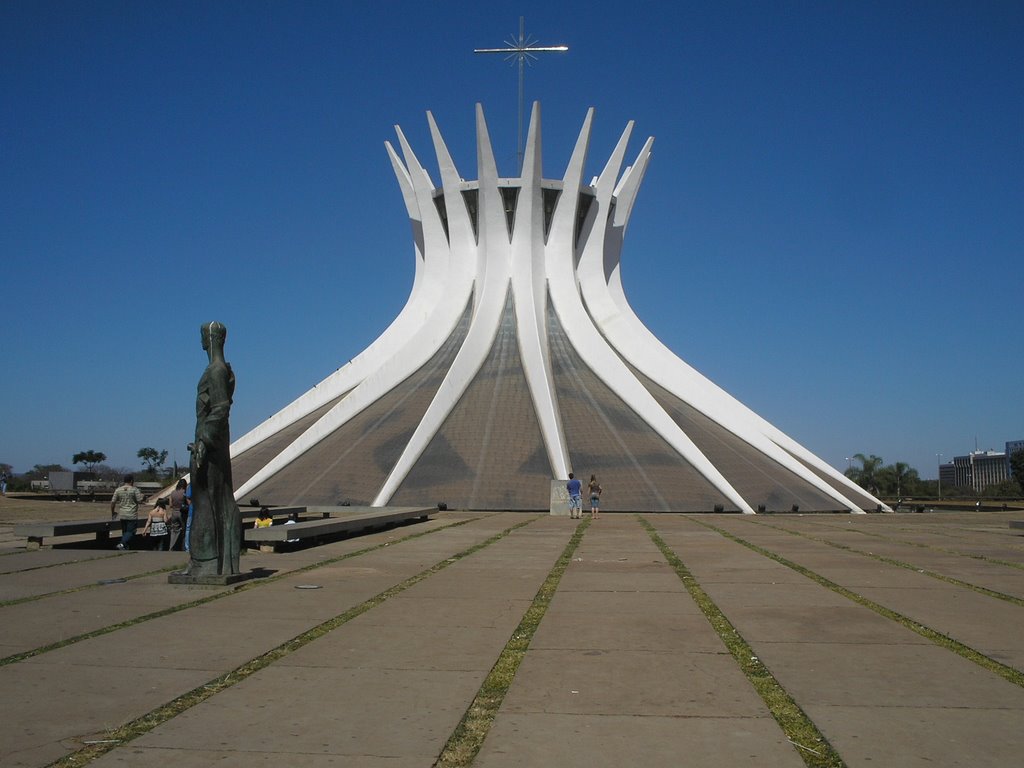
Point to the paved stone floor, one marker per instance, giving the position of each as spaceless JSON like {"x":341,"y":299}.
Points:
{"x":377,"y":665}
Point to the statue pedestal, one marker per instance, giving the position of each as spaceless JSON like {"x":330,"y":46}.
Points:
{"x":182,"y":577}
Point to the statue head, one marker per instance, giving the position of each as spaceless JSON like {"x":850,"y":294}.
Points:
{"x":213,"y":331}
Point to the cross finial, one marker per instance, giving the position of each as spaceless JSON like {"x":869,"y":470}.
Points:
{"x":522,"y":50}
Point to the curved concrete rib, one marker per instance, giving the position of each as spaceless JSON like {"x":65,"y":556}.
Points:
{"x":462,"y":241}
{"x":494,"y":287}
{"x":427,"y":289}
{"x":650,"y":355}
{"x":530,"y":298}
{"x":631,"y":338}
{"x":643,"y":349}
{"x":452,"y":296}
{"x":591,"y":259}
{"x":584,"y":335}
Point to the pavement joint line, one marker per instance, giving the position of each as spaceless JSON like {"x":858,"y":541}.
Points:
{"x":20,"y":550}
{"x":796,"y":725}
{"x":901,"y":564}
{"x":465,"y":741}
{"x":79,"y":588}
{"x":963,"y":650}
{"x":107,"y":556}
{"x":946,"y":534}
{"x":210,"y":598}
{"x":944,"y":550}
{"x":133,"y":729}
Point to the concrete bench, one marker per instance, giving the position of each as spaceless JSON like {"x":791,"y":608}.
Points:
{"x":332,"y":521}
{"x":36,"y":532}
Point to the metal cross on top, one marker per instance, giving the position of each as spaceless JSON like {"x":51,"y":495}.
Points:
{"x":522,"y":50}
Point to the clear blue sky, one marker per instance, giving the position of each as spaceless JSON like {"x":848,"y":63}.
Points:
{"x":831,"y":228}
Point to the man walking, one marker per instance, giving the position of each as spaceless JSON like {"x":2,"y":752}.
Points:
{"x":125,"y":506}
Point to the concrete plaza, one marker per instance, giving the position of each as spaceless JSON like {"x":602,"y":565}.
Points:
{"x":368,"y":651}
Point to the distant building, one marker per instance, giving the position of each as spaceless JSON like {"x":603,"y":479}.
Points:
{"x":947,"y":476}
{"x":1012,"y":447}
{"x":980,"y":469}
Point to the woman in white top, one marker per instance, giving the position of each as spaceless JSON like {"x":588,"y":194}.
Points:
{"x":157,"y":526}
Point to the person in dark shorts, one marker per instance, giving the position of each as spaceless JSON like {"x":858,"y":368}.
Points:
{"x":595,"y":498}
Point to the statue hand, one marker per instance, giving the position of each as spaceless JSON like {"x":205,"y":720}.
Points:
{"x":199,"y":453}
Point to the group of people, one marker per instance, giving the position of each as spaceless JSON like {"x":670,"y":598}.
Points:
{"x":167,"y":524}
{"x":575,"y":489}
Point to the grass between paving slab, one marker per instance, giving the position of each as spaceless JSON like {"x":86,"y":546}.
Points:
{"x":945,"y":641}
{"x":210,"y":598}
{"x":82,"y":587}
{"x":105,"y":556}
{"x":463,"y":745}
{"x":898,"y":563}
{"x":799,"y":729}
{"x":142,"y":725}
{"x":944,"y":550}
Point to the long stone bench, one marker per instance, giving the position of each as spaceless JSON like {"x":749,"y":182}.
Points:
{"x":328,"y":521}
{"x":36,"y":532}
{"x":332,"y":521}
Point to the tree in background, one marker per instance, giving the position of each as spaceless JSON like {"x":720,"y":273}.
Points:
{"x":1017,"y":467}
{"x":866,"y":475}
{"x":899,"y":479}
{"x":42,"y":471}
{"x":958,"y":492}
{"x":6,"y":469}
{"x":88,"y":459}
{"x":1008,"y":489}
{"x":107,"y":472}
{"x":152,"y":459}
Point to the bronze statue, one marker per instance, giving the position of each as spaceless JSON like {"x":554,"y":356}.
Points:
{"x":216,"y":533}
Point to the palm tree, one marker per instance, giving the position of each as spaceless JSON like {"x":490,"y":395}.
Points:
{"x":906,"y":477}
{"x":866,"y":475}
{"x":898,"y":479}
